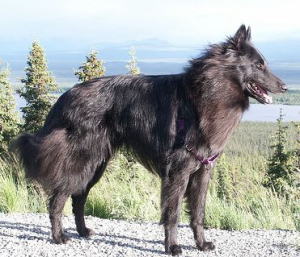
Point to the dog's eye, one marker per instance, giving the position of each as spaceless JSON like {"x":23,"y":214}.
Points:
{"x":260,"y":66}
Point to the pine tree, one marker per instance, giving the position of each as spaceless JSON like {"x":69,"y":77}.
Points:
{"x":92,"y":68}
{"x":281,"y":166}
{"x":38,"y":86}
{"x":9,"y":120}
{"x":132,"y":63}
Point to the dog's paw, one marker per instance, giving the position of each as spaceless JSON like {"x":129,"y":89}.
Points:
{"x":87,"y":232}
{"x":175,"y":250}
{"x":61,"y":239}
{"x":206,"y":246}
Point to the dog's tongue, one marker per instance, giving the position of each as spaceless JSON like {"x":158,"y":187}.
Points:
{"x":268,"y":98}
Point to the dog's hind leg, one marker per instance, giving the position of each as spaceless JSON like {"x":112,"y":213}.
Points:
{"x":196,"y":196}
{"x":56,"y":205}
{"x":78,"y":202}
{"x":173,"y":189}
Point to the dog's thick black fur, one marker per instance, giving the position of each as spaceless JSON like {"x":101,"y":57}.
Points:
{"x":170,"y":122}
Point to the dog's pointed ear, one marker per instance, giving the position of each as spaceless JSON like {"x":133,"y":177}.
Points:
{"x":241,"y":36}
{"x":249,"y":33}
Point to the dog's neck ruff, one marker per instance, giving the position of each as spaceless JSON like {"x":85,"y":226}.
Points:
{"x":201,"y":159}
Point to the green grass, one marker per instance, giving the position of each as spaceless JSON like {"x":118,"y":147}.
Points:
{"x":15,"y":194}
{"x":128,"y":191}
{"x":254,"y":210}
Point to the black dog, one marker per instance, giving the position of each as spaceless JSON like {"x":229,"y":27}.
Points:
{"x":176,"y":125}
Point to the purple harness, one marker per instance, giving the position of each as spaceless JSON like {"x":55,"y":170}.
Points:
{"x":201,"y":159}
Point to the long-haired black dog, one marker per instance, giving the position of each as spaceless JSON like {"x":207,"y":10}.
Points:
{"x":176,"y":125}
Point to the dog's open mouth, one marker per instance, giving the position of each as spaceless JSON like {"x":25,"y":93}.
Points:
{"x":259,"y":93}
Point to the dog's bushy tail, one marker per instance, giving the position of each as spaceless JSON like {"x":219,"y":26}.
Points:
{"x":27,"y":147}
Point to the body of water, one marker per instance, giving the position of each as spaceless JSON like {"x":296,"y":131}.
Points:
{"x":270,"y":112}
{"x":256,"y":112}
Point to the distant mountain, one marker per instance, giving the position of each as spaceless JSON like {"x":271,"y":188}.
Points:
{"x":154,"y":57}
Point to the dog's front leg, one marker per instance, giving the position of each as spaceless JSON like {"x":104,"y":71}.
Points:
{"x":196,"y":196}
{"x":78,"y":202}
{"x":173,"y":189}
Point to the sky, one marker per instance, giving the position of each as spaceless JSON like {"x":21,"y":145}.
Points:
{"x":179,"y":22}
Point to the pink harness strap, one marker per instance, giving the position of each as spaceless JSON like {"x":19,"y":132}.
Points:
{"x":201,"y":159}
{"x":206,"y":161}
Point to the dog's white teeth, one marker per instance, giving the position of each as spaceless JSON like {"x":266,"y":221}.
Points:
{"x":268,"y":98}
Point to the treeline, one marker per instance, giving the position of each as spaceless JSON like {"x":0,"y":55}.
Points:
{"x":292,"y":97}
{"x":282,"y":174}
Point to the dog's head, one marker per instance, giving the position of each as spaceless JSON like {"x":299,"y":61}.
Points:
{"x":251,"y":68}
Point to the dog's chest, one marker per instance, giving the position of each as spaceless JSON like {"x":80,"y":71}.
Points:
{"x":219,"y":126}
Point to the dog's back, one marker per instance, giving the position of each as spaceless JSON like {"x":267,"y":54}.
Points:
{"x":89,"y":122}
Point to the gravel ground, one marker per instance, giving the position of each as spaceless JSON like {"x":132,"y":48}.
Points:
{"x":29,"y":235}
